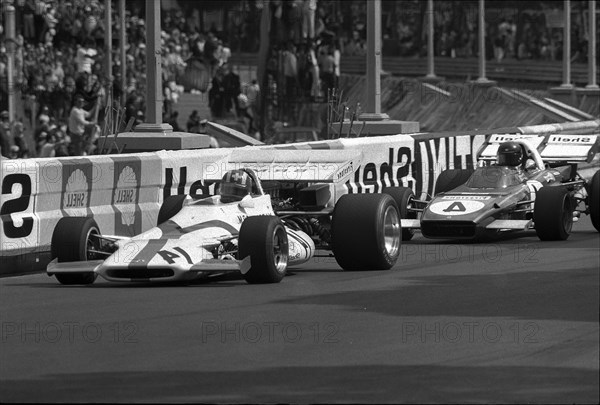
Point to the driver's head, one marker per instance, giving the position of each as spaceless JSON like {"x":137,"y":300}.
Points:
{"x":510,"y":154}
{"x":235,"y":185}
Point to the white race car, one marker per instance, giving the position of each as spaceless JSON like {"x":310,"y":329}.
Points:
{"x":237,"y":230}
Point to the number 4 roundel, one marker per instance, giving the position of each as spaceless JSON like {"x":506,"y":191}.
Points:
{"x":456,"y":207}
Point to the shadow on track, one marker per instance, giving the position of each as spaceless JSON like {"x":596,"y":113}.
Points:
{"x":524,"y":295}
{"x":365,"y":384}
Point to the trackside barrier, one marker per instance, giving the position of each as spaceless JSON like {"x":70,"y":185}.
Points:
{"x":119,"y":191}
{"x":581,"y":127}
{"x":124,"y":192}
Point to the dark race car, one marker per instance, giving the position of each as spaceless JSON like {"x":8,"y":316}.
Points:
{"x":514,"y":188}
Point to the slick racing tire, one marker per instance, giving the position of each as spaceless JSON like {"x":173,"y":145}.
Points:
{"x":450,"y":179}
{"x":553,"y":213}
{"x":72,"y":240}
{"x":170,"y":207}
{"x":594,"y":200}
{"x":403,"y":197}
{"x":366,"y":232}
{"x":265,"y":240}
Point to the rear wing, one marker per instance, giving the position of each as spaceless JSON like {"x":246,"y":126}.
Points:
{"x":326,"y":166}
{"x":570,"y":148}
{"x":551,"y":149}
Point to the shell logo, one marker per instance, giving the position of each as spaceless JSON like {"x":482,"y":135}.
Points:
{"x":125,"y":195}
{"x":75,"y":198}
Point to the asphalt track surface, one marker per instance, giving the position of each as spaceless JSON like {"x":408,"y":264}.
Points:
{"x":512,"y":320}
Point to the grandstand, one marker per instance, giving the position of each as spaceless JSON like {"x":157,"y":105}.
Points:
{"x":60,"y":50}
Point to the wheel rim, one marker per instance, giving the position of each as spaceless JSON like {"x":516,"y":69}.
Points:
{"x":280,"y":253}
{"x":567,"y":216}
{"x":391,"y":231}
{"x":92,"y":243}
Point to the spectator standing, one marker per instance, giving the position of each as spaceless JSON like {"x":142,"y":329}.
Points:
{"x":62,"y":145}
{"x":216,"y":95}
{"x":78,"y":119}
{"x":308,"y":19}
{"x":174,"y":65}
{"x":253,"y":94}
{"x":18,"y":131}
{"x":171,"y":94}
{"x":45,"y":145}
{"x":294,"y":19}
{"x":290,"y":71}
{"x":243,"y":112}
{"x":172,"y":120}
{"x":85,"y":57}
{"x":499,"y":47}
{"x":315,"y":91}
{"x":90,"y":23}
{"x":327,"y":67}
{"x":6,"y":141}
{"x":232,"y":89}
{"x":50,"y":22}
{"x":57,"y":73}
{"x":62,"y":98}
{"x":39,"y":13}
{"x":337,"y":57}
{"x":193,"y":123}
{"x":29,"y":20}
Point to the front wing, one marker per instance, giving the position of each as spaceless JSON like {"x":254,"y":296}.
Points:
{"x":454,"y":229}
{"x":508,"y":224}
{"x":175,"y":271}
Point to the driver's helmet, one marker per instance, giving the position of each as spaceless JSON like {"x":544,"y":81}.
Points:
{"x":510,"y":154}
{"x":235,"y":185}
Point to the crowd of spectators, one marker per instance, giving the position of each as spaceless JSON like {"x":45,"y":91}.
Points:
{"x":59,"y":53}
{"x":308,"y":37}
{"x":59,"y":56}
{"x":530,"y":31}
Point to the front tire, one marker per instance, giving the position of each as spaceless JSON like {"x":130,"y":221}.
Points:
{"x":265,"y":240}
{"x":553,"y":213}
{"x":403,"y":197}
{"x":594,"y":200}
{"x":72,"y":241}
{"x":366,"y":232}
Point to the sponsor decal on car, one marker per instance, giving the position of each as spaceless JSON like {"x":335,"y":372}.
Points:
{"x":466,"y":197}
{"x":452,"y":208}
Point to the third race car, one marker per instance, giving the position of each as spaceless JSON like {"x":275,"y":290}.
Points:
{"x":521,"y":183}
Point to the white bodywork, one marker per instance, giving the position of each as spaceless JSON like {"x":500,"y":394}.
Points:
{"x":186,"y":246}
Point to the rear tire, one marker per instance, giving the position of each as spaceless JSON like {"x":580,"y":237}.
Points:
{"x":403,"y":197}
{"x":265,"y":240}
{"x":70,"y":243}
{"x":450,"y":179}
{"x":553,"y":213}
{"x":170,"y":207}
{"x":594,"y":200}
{"x":366,"y":232}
